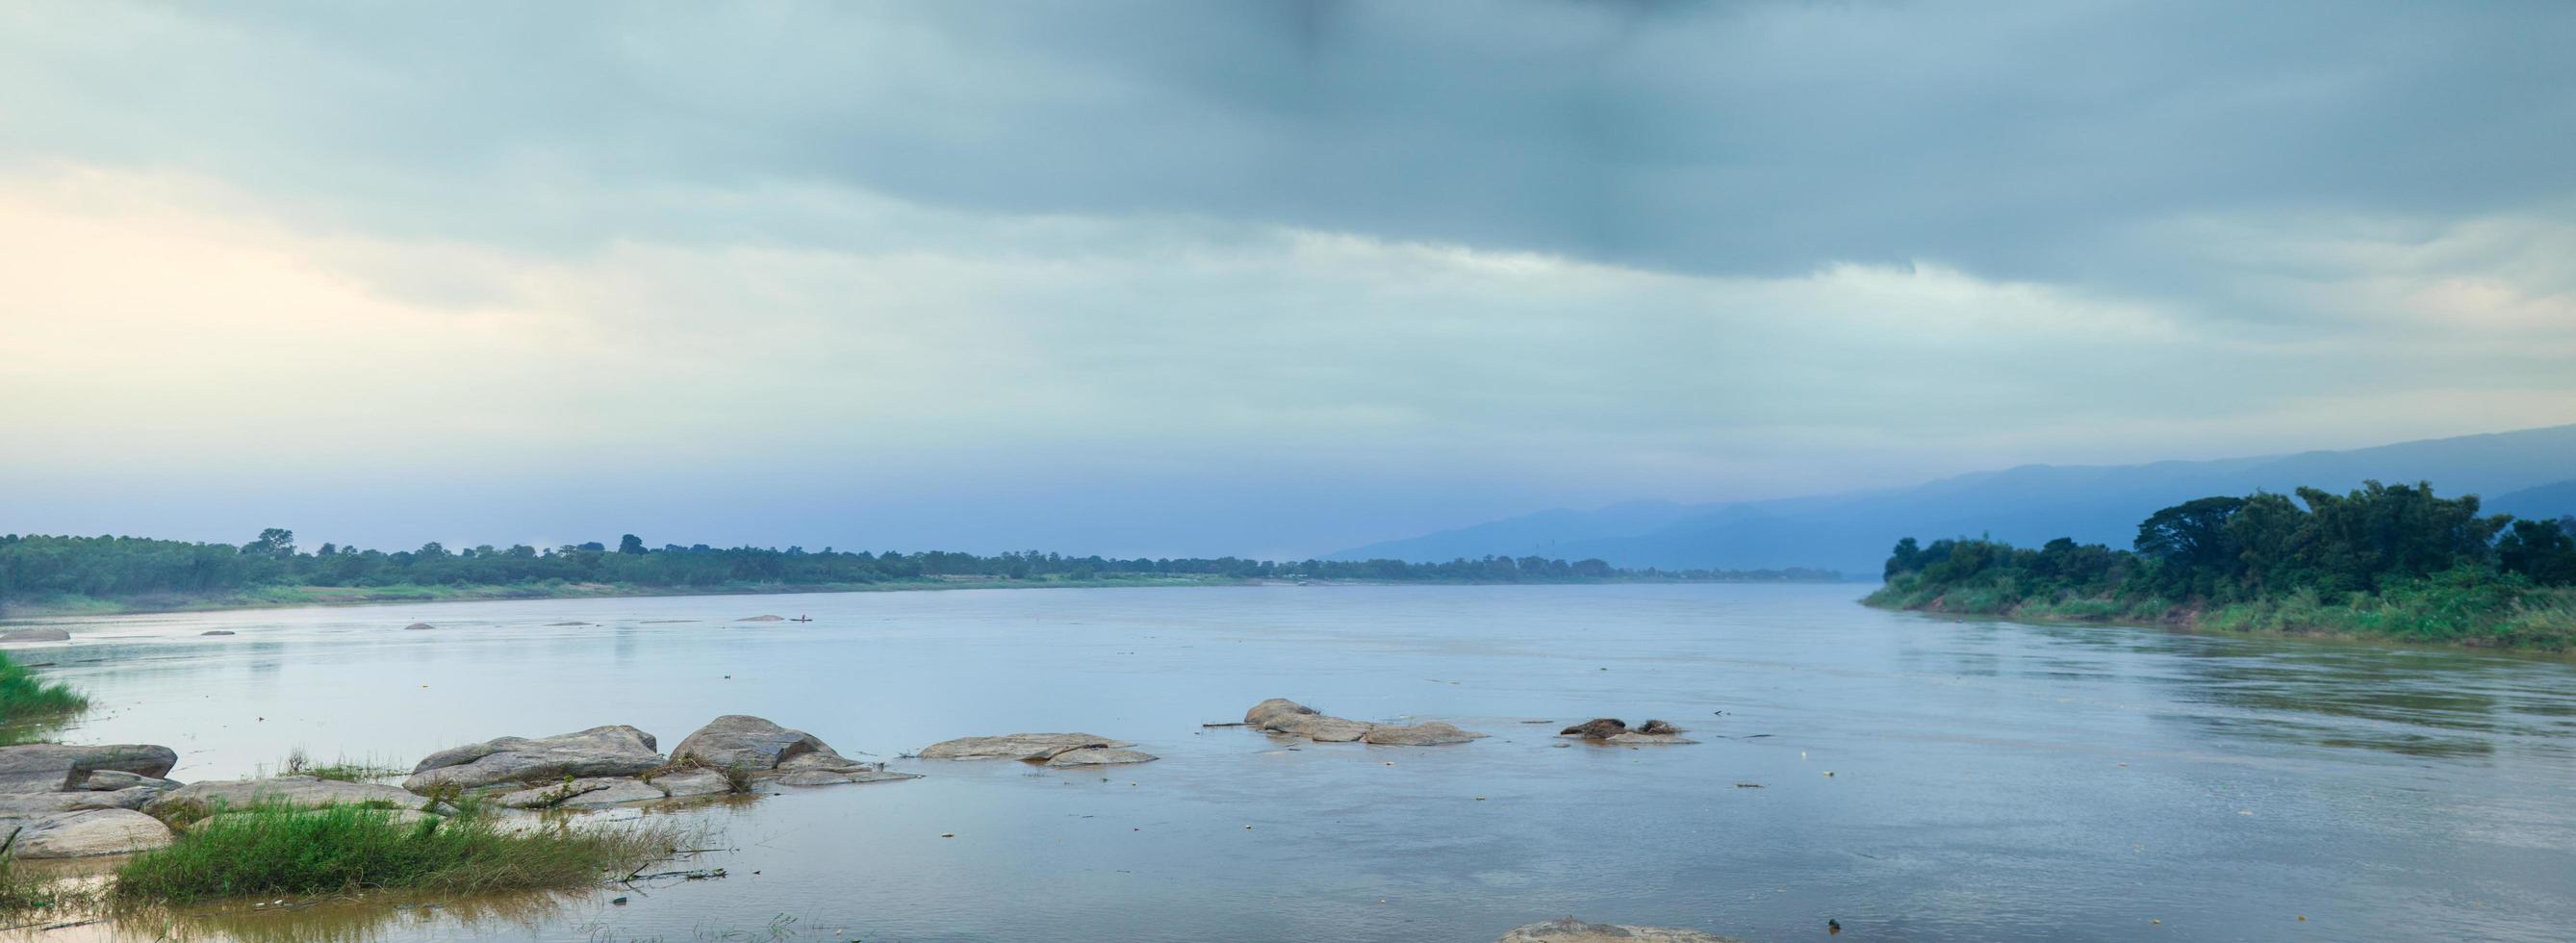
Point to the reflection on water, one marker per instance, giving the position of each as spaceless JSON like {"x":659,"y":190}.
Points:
{"x":1990,"y":780}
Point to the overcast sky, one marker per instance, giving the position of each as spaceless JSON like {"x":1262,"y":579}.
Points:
{"x":1268,"y":278}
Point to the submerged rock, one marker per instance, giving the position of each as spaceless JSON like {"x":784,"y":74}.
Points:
{"x":56,"y":767}
{"x":1280,"y":715}
{"x":617,"y":750}
{"x":1031,"y":747}
{"x":1099,"y":756}
{"x":763,"y":619}
{"x":36,"y":635}
{"x":418,"y":627}
{"x":303,"y":792}
{"x":827,"y":777}
{"x":1570,"y":930}
{"x":1599,"y":728}
{"x":92,"y":832}
{"x":1427,"y":733}
{"x":1612,"y":730}
{"x":219,"y":632}
{"x":1634,"y":738}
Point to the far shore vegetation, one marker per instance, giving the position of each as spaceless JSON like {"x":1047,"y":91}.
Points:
{"x":42,"y":574}
{"x":2383,"y":561}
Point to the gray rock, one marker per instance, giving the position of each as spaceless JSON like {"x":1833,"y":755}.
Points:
{"x":834,"y":778}
{"x":599,"y":751}
{"x":55,"y":767}
{"x":219,"y":632}
{"x":1099,"y":756}
{"x":763,"y":619}
{"x":93,"y":832}
{"x":1033,"y":747}
{"x":1280,"y":715}
{"x":741,"y":741}
{"x":687,"y":784}
{"x":1426,"y":733}
{"x":589,"y":793}
{"x":36,"y":635}
{"x":1598,"y":728}
{"x":1570,"y":930}
{"x":303,"y":792}
{"x":418,"y":627}
{"x":1633,"y":738}
{"x":109,"y":780}
{"x":31,"y":805}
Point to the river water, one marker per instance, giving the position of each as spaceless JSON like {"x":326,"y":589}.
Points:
{"x":1920,"y":778}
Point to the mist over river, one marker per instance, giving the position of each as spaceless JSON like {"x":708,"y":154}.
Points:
{"x":1988,"y":781}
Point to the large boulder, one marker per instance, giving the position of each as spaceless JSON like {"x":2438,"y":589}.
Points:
{"x":741,"y":741}
{"x":1032,"y":747}
{"x":35,"y":635}
{"x":303,"y":792}
{"x":1280,"y":715}
{"x":617,"y":750}
{"x":55,"y":767}
{"x":1570,"y":930}
{"x":92,"y":832}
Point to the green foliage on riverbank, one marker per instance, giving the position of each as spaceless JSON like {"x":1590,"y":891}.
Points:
{"x":2381,"y":561}
{"x":275,"y":850}
{"x":107,"y":574}
{"x":25,"y":698}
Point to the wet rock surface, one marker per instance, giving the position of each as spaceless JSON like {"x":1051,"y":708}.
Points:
{"x":1280,"y":715}
{"x":587,"y":793}
{"x":1030,"y":747}
{"x":1570,"y":930}
{"x":35,"y":635}
{"x":616,"y":750}
{"x":1099,"y":756}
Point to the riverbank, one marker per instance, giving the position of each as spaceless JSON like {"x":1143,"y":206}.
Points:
{"x":2510,"y":618}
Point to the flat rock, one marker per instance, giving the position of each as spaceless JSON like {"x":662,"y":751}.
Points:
{"x":1099,"y":756}
{"x":92,"y":832}
{"x":55,"y":767}
{"x":820,"y":777}
{"x":1280,"y":715}
{"x":1570,"y":930}
{"x":418,"y":627}
{"x":1033,"y":747}
{"x":741,"y":741}
{"x":36,"y":635}
{"x":588,"y":793}
{"x":1426,"y":733}
{"x":1633,"y":738}
{"x":689,"y":784}
{"x":31,"y":805}
{"x":219,"y":632}
{"x":763,"y":619}
{"x":617,"y":750}
{"x":303,"y":792}
{"x":110,"y":780}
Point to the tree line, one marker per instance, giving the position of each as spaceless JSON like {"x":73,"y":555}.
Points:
{"x":39,"y":567}
{"x":2356,"y":550}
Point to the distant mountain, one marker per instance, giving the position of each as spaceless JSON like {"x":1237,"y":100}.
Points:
{"x":2027,"y":505}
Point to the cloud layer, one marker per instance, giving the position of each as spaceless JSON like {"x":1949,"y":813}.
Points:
{"x":1203,"y":278}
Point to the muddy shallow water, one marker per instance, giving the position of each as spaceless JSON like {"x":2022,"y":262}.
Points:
{"x":1989,"y":781}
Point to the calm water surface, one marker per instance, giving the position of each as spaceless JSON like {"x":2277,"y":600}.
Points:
{"x":1988,"y":781}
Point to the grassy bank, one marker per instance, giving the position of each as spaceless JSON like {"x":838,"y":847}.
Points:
{"x":26,"y":699}
{"x":282,"y":851}
{"x":2478,"y":614}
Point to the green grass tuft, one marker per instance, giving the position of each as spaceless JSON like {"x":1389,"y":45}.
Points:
{"x":274,"y":850}
{"x":28,"y":701}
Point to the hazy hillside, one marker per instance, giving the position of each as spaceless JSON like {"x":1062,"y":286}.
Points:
{"x":2526,"y":472}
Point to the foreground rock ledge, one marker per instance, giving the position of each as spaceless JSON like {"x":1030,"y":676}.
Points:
{"x":1052,"y":749}
{"x":1570,"y":930}
{"x":1280,"y":715}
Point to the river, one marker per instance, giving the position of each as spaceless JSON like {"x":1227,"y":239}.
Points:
{"x":1919,"y":778}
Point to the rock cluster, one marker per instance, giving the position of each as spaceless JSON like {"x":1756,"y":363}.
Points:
{"x":59,"y":801}
{"x":614,"y":765}
{"x":1052,"y":749}
{"x":1570,"y":930}
{"x":1280,"y":715}
{"x":1615,"y":731}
